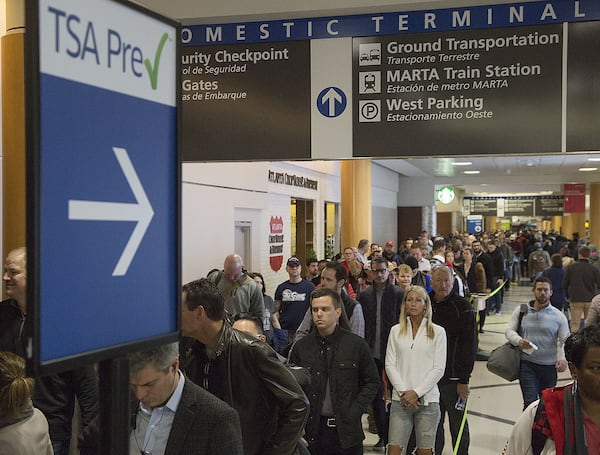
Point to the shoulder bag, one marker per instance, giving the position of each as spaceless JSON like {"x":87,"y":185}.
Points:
{"x":505,"y":360}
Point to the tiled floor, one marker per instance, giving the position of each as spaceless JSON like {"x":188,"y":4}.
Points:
{"x":494,"y":403}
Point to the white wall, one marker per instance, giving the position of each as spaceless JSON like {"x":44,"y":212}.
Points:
{"x":384,"y":193}
{"x":416,"y":191}
{"x":213,"y":193}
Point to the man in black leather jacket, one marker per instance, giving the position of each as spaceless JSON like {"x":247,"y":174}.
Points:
{"x":344,"y":379}
{"x":243,"y":372}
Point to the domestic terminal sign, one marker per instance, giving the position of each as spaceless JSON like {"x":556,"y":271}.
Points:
{"x":103,"y":221}
{"x":483,"y":80}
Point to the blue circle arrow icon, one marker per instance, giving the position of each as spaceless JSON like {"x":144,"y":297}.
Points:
{"x":331,"y":102}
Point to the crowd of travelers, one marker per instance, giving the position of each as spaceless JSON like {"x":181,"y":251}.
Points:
{"x":378,"y":330}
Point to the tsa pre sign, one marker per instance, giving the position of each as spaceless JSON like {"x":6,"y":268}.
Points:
{"x":108,"y":45}
{"x":108,"y":190}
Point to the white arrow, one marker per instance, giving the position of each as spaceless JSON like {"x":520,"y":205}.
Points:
{"x":331,"y":97}
{"x":116,"y":211}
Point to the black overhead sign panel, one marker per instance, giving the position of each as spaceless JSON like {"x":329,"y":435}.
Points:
{"x":458,"y":81}
{"x":481,"y":91}
{"x":517,"y":206}
{"x":243,"y":102}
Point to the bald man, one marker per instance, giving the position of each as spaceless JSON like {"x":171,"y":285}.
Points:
{"x":242,"y":294}
{"x":14,"y":309}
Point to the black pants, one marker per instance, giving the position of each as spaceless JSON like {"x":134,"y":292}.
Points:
{"x":382,"y":418}
{"x":328,"y":441}
{"x":482,"y":315}
{"x":448,"y":397}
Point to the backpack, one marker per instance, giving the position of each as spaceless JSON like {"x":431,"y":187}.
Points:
{"x":538,"y":262}
{"x":419,"y":280}
{"x":466,"y":292}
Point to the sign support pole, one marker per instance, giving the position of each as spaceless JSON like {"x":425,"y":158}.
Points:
{"x":113,"y":407}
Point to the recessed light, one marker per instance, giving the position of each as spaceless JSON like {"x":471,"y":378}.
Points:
{"x":588,"y":169}
{"x":594,"y":159}
{"x":471,"y":172}
{"x":461,"y":163}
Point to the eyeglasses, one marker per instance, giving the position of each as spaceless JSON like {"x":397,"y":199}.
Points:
{"x":380,"y":271}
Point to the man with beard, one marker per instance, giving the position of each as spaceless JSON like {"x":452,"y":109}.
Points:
{"x":544,"y":330}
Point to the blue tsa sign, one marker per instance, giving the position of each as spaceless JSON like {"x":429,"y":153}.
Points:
{"x":331,"y":102}
{"x":475,"y":224}
{"x":105,"y":219}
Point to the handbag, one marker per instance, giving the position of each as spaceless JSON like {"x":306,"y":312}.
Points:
{"x":505,"y":360}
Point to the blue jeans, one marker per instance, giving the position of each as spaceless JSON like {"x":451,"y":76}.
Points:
{"x":534,"y":378}
{"x":424,"y":420}
{"x":61,"y":446}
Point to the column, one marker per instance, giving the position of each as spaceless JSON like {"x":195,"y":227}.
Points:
{"x":491,"y":223}
{"x":557,"y":223}
{"x":13,"y":127}
{"x":356,"y":211}
{"x":595,"y":214}
{"x":573,"y":222}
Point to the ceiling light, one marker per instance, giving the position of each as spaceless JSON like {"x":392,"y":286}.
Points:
{"x":588,"y":169}
{"x":471,"y":172}
{"x":594,"y":159}
{"x":461,"y":163}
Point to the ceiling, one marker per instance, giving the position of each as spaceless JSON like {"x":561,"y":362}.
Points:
{"x":507,"y":175}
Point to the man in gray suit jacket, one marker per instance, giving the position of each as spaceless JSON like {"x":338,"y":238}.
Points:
{"x":173,"y":416}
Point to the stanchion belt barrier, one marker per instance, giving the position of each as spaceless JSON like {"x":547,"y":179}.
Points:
{"x":462,"y":427}
{"x":487,"y":296}
{"x":464,"y":418}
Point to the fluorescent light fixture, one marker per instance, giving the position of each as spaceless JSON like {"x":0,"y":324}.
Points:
{"x":594,"y":159}
{"x":461,"y":163}
{"x":471,"y":172}
{"x":588,"y":169}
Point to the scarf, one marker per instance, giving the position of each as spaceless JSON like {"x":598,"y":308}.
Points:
{"x":559,"y":417}
{"x":23,"y":414}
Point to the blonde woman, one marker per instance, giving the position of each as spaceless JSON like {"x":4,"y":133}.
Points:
{"x":23,"y":428}
{"x":415,"y":361}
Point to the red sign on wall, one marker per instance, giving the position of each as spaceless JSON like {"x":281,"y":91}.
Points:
{"x":574,"y":197}
{"x":276,"y":243}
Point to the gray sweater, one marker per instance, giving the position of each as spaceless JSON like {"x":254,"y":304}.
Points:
{"x":547,"y":328}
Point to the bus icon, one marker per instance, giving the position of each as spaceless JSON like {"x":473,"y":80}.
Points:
{"x":369,"y":54}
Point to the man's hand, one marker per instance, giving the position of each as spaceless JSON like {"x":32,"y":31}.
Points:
{"x":462,"y":390}
{"x":561,"y":365}
{"x":524,"y":344}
